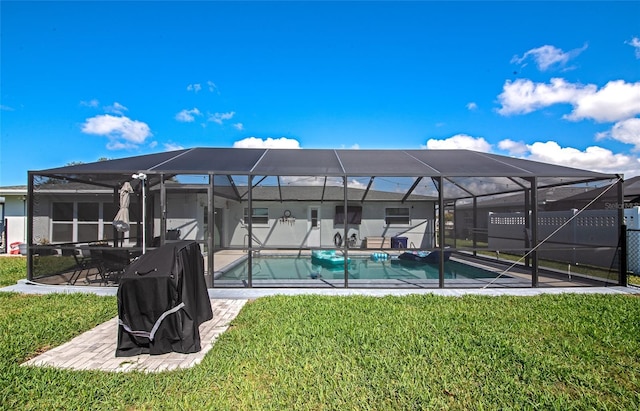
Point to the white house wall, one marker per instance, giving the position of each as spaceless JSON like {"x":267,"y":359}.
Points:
{"x":294,"y":231}
{"x":185,"y":212}
{"x":15,"y":211}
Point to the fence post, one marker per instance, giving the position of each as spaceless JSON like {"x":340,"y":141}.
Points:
{"x":622,"y":273}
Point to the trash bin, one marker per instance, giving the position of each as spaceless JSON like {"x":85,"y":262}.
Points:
{"x":399,"y":242}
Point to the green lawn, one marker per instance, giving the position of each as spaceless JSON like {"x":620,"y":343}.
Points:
{"x":348,"y":353}
{"x":12,"y":269}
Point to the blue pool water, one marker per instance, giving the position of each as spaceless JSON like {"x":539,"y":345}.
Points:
{"x":294,"y":268}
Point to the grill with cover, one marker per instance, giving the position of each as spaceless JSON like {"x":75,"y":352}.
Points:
{"x":162,"y":300}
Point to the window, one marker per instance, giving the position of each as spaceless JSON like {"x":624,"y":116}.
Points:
{"x":88,"y":216}
{"x":397,"y":216}
{"x":354,"y":215}
{"x":62,"y":223}
{"x":314,"y":218}
{"x":258,"y":216}
{"x":87,"y":222}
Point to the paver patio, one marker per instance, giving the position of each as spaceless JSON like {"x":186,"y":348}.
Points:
{"x":96,"y":348}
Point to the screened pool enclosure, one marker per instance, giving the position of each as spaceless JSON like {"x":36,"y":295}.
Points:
{"x":331,"y":218}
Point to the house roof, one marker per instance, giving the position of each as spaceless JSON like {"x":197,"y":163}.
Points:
{"x":466,"y":173}
{"x":545,"y":195}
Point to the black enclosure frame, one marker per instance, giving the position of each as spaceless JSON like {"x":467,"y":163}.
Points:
{"x":458,"y":176}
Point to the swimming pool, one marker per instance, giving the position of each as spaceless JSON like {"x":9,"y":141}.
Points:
{"x":292,"y":268}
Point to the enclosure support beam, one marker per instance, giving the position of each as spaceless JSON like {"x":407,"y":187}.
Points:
{"x":211,"y":225}
{"x":116,"y":234}
{"x":527,"y":227}
{"x":534,"y":231}
{"x":235,"y":189}
{"x":324,"y":187}
{"x":260,"y":181}
{"x":163,"y":209}
{"x":250,"y":232}
{"x":455,"y":228}
{"x":474,"y":233}
{"x":366,"y":191}
{"x":622,"y":270}
{"x":30,"y":227}
{"x":440,"y":230}
{"x":346,"y":233}
{"x":413,"y":187}
{"x":279,"y":188}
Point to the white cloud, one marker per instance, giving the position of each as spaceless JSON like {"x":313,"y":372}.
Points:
{"x":616,"y":101}
{"x":196,"y":87}
{"x":172,"y":147}
{"x":592,"y":158}
{"x":317,"y":181}
{"x":116,"y":108}
{"x":635,"y":43}
{"x":220,"y":117}
{"x":121,"y":131}
{"x":353,"y":183}
{"x":524,"y":96}
{"x":6,"y":108}
{"x":626,"y":131}
{"x":472,"y":106}
{"x":254,"y":142}
{"x":188,"y":116}
{"x":90,"y":103}
{"x":460,"y":141}
{"x":514,"y":148}
{"x":239,"y":126}
{"x":547,"y":56}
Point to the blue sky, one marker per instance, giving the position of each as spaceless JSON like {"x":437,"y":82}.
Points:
{"x":557,"y":82}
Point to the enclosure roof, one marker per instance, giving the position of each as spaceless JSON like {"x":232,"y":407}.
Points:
{"x":464,"y":173}
{"x":327,"y":162}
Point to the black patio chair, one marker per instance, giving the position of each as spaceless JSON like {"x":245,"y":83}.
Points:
{"x":113,"y":264}
{"x":87,"y":262}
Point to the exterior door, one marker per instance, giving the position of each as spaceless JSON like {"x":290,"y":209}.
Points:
{"x":313,"y":227}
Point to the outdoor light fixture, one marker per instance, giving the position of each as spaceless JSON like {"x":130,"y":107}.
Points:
{"x":143,"y":177}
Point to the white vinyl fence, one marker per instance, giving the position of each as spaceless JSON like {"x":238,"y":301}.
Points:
{"x":590,"y":238}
